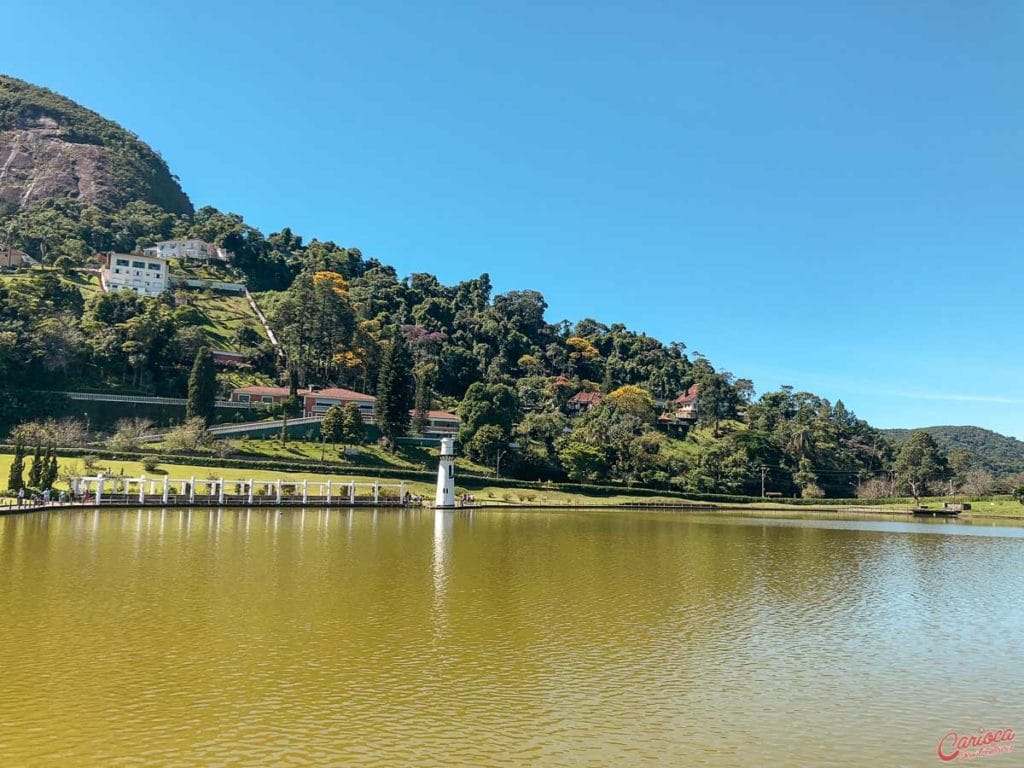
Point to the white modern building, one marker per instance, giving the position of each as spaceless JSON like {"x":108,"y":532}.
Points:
{"x":145,"y":275}
{"x":189,"y":250}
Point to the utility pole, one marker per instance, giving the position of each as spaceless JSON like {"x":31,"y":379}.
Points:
{"x":764,"y":474}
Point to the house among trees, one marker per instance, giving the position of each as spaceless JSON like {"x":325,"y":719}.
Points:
{"x":260,"y":395}
{"x":145,"y":275}
{"x":224,"y":358}
{"x":685,"y":411}
{"x":316,"y":402}
{"x":582,"y":402}
{"x":686,"y":404}
{"x":187,"y":250}
{"x":440,"y":424}
{"x":12,"y":258}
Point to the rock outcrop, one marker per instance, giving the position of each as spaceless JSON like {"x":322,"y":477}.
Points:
{"x":51,"y":147}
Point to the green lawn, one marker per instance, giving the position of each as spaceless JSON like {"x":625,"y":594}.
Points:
{"x":406,"y":457}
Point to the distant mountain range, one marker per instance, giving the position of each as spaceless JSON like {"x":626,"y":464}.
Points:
{"x":999,"y":454}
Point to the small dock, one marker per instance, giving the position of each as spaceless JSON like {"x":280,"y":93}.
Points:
{"x":946,"y":510}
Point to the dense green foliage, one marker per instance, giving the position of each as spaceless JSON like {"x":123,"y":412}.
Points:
{"x":137,"y":172}
{"x":343,"y":320}
{"x":989,"y":451}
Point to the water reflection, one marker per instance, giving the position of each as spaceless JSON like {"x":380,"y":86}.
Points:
{"x":536,"y":637}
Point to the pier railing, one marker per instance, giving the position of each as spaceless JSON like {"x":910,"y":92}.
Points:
{"x":101,"y":490}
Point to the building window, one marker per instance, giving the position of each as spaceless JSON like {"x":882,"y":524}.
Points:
{"x":154,"y":267}
{"x":243,"y":398}
{"x":266,"y":399}
{"x":121,"y":262}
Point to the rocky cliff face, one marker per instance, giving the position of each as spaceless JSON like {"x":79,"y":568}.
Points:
{"x":51,"y":147}
{"x":37,"y":164}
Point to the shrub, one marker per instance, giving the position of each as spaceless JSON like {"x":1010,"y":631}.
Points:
{"x":150,"y":463}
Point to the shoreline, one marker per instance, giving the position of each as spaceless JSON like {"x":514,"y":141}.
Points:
{"x":833,"y":509}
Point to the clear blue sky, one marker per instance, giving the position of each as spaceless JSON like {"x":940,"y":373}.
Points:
{"x":808,"y":193}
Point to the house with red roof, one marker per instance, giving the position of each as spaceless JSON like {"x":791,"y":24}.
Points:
{"x":439,"y":424}
{"x":260,"y":395}
{"x":316,"y":402}
{"x":582,"y":402}
{"x":686,"y":404}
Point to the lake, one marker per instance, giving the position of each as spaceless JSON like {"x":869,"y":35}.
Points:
{"x":355,"y":637}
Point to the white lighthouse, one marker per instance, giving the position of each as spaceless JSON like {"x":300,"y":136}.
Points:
{"x":445,"y":496}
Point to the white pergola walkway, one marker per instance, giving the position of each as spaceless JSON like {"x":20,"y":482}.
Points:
{"x":168,"y":490}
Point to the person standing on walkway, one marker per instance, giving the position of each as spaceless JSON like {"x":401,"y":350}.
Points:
{"x":21,"y":496}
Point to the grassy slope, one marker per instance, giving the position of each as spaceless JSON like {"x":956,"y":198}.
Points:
{"x":223,"y":313}
{"x":369,"y":456}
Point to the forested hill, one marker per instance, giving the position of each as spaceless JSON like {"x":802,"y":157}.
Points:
{"x":548,"y":398}
{"x":999,"y":454}
{"x":53,"y":148}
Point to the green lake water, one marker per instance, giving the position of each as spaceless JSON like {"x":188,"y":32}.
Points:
{"x":354,"y":637}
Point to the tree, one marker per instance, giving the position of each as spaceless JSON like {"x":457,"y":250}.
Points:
{"x":35,"y":472}
{"x":54,"y":470}
{"x":15,"y":479}
{"x":583,"y":462}
{"x":918,"y":463}
{"x":634,"y":400}
{"x":332,"y":425}
{"x":129,"y":433}
{"x":202,"y":387}
{"x":188,"y":437}
{"x":48,"y":473}
{"x":353,"y":428}
{"x":486,"y":444}
{"x":496,"y":404}
{"x":395,"y":390}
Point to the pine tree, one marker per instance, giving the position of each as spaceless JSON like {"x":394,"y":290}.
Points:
{"x":395,"y":390}
{"x":35,"y":472}
{"x":15,"y":480}
{"x":49,"y":473}
{"x":421,"y":417}
{"x":202,"y":387}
